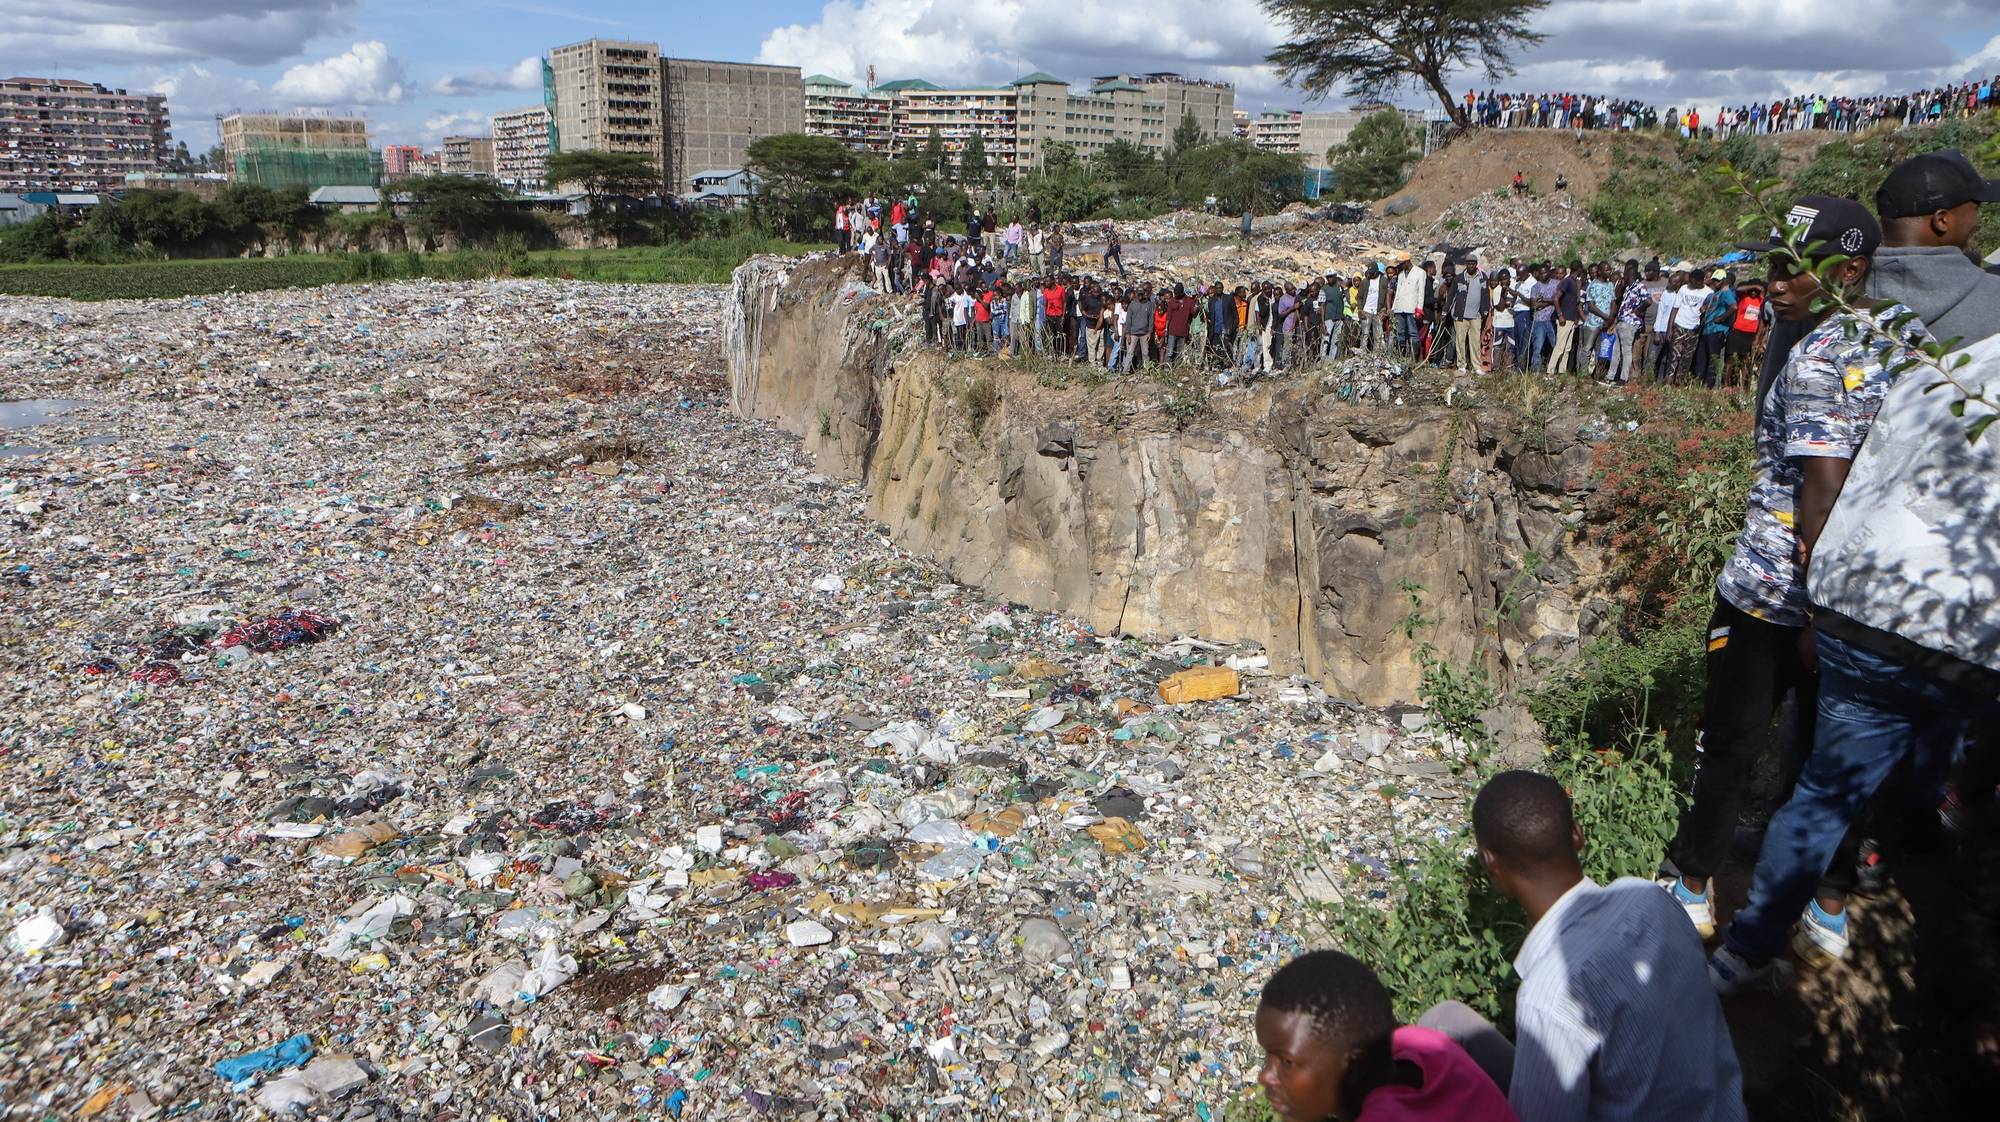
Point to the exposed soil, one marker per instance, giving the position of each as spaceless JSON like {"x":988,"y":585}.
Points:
{"x":1485,"y":161}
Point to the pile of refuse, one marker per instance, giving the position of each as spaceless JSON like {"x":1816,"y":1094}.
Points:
{"x":544,"y":740}
{"x":1501,"y":227}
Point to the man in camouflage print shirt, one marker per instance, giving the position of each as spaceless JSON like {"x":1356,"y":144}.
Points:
{"x":1811,"y":423}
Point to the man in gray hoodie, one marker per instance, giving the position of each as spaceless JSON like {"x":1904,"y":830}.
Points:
{"x":1929,"y":207}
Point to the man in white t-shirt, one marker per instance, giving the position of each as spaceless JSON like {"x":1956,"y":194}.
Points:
{"x":961,"y":316}
{"x":1412,"y":285}
{"x":1663,"y":320}
{"x":1371,"y":308}
{"x":1685,"y":330}
{"x":1524,"y":290}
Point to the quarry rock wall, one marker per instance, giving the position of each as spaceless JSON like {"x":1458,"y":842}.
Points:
{"x":1282,"y":515}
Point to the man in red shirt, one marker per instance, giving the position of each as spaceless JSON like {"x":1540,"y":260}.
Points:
{"x":1054,"y":303}
{"x":982,"y":323}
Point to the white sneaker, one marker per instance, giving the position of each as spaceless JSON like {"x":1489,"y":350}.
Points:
{"x":1699,"y":906}
{"x":1820,"y":940}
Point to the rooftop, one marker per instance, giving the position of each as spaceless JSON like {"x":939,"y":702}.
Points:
{"x":1038,"y":78}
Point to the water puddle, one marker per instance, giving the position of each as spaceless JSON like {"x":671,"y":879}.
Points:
{"x":41,"y":411}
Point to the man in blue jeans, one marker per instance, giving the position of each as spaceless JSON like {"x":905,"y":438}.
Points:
{"x":1542,"y":300}
{"x":1813,"y":420}
{"x":1901,"y":581}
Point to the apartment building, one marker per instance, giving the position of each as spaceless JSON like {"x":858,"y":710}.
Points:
{"x":467,"y":155}
{"x":299,"y":150}
{"x":1309,"y":135}
{"x":957,"y":114}
{"x":522,"y":141}
{"x":607,"y":97}
{"x":861,"y":119}
{"x":713,"y":110}
{"x":401,"y":161}
{"x":1213,"y":104}
{"x":58,"y":134}
{"x":1017,"y":121}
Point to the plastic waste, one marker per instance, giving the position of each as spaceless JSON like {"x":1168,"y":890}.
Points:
{"x":807,"y":933}
{"x":39,"y":932}
{"x":953,"y":862}
{"x":549,"y":969}
{"x":287,"y":1053}
{"x":357,"y":839}
{"x":1202,"y":683}
{"x":370,"y":926}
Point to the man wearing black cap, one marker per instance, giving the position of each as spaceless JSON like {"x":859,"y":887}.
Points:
{"x":1930,"y":211}
{"x":1811,"y":422}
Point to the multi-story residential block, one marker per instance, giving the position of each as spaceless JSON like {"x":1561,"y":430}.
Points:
{"x":522,"y":141}
{"x":864,"y":120}
{"x":468,"y":155}
{"x":299,"y":150}
{"x":399,"y":161}
{"x":1017,"y":122}
{"x":57,"y":134}
{"x":956,"y":114}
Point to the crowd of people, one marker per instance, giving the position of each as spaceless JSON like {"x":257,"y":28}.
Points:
{"x":1618,"y":323}
{"x":1863,"y":583}
{"x":1579,"y":112}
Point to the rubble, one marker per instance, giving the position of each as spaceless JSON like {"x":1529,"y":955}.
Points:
{"x":601,"y":800}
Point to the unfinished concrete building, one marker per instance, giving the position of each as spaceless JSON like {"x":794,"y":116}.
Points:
{"x":468,"y":156}
{"x":715,"y":109}
{"x":607,"y":98}
{"x":299,"y":150}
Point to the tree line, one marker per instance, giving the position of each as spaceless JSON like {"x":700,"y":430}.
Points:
{"x":805,"y":177}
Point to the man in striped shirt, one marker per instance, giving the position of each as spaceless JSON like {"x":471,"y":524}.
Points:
{"x":1615,"y":1018}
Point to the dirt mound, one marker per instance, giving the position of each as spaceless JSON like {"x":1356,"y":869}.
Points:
{"x":1480,"y":163}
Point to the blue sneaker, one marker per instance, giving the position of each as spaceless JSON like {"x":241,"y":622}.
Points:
{"x":1699,"y":906}
{"x":1731,"y":974}
{"x":1820,"y":940}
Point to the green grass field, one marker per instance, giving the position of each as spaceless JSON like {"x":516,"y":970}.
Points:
{"x":696,"y":262}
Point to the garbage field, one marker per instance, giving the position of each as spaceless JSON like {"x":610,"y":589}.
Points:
{"x":429,"y":701}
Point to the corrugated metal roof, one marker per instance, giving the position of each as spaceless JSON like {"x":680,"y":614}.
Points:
{"x":356,"y":195}
{"x":1037,"y":78}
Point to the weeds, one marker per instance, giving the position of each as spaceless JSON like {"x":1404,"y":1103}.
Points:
{"x":979,"y":397}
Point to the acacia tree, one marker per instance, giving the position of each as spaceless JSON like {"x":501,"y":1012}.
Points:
{"x":604,"y":175}
{"x":1375,"y":47}
{"x":803,"y":177}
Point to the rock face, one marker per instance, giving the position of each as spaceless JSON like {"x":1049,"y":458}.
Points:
{"x":1285,"y":517}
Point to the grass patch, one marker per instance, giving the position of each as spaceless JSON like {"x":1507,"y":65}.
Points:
{"x":708,"y":261}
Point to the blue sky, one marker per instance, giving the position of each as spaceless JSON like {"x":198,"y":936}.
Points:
{"x":421,"y":70}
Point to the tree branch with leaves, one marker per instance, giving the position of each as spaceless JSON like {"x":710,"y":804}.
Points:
{"x":1373,"y":48}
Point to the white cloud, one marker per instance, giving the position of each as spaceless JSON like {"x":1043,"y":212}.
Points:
{"x":1697,"y":51}
{"x":523,"y":75}
{"x":437,"y":126}
{"x":365,"y":74}
{"x":249,"y":32}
